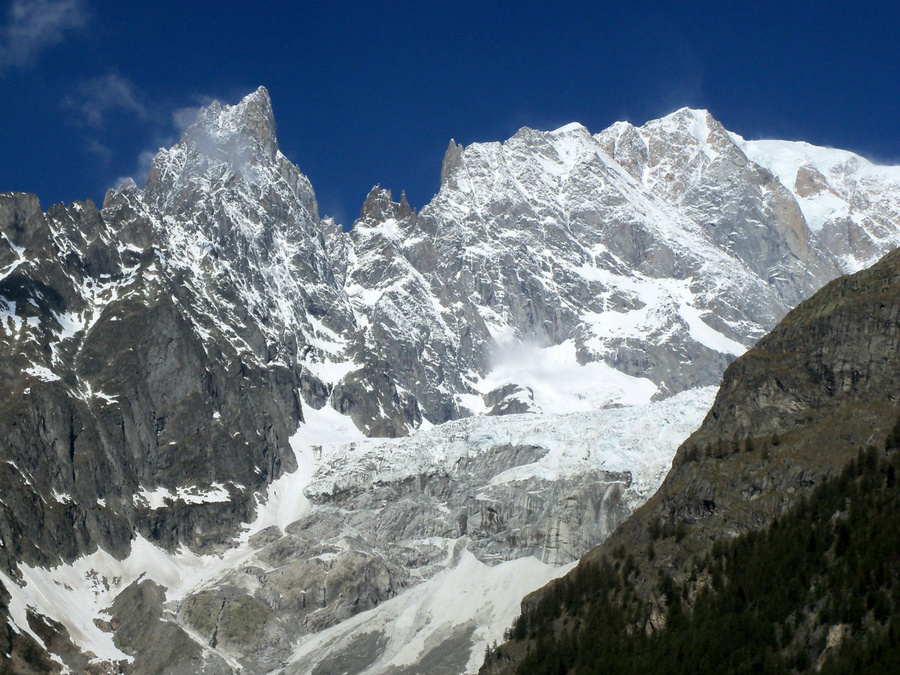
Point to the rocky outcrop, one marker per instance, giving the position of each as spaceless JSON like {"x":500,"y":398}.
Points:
{"x":451,"y":159}
{"x":797,"y":407}
{"x":159,"y":646}
{"x":510,"y":399}
{"x":794,"y":409}
{"x":114,"y":391}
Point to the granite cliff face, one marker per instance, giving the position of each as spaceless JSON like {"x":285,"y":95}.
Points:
{"x":115,"y":390}
{"x":181,"y":364}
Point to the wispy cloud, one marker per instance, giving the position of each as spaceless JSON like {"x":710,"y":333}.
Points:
{"x":182,"y":118}
{"x":91,"y":103}
{"x":102,"y":105}
{"x":34,"y":25}
{"x":178,"y":119}
{"x":142,"y":168}
{"x":185,"y":117}
{"x":92,"y":99}
{"x":165,"y":121}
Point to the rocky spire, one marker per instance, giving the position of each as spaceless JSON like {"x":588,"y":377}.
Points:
{"x":240,"y":137}
{"x":404,"y":209}
{"x":253,"y":117}
{"x":225,"y":130}
{"x":452,"y":158}
{"x":380,"y":206}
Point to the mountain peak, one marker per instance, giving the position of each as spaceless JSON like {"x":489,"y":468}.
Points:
{"x":452,"y":158}
{"x":380,"y":206}
{"x":686,"y":114}
{"x":255,"y":114}
{"x":571,"y":127}
{"x":698,"y":124}
{"x":238,"y":138}
{"x":225,"y":129}
{"x":686,"y":117}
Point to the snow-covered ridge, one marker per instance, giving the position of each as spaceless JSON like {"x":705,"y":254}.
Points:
{"x":842,"y":195}
{"x":784,"y":158}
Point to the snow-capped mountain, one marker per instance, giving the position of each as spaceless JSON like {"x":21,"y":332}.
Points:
{"x":176,"y":364}
{"x":850,"y":203}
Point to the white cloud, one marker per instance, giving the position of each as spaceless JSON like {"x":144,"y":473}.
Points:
{"x":144,"y":160}
{"x":33,"y":25}
{"x":182,"y":118}
{"x":185,"y":117}
{"x":91,"y":99}
{"x":141,"y":170}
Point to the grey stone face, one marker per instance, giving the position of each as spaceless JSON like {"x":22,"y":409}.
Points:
{"x":115,"y":387}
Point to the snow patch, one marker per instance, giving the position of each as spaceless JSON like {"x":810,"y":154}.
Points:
{"x":285,"y":502}
{"x":468,"y":596}
{"x":78,"y":593}
{"x":161,"y":497}
{"x":331,"y":372}
{"x":71,"y":324}
{"x":42,"y":373}
{"x":8,"y":315}
{"x":658,"y":302}
{"x":706,"y":335}
{"x":63,"y":497}
{"x":569,"y":128}
{"x":561,"y":384}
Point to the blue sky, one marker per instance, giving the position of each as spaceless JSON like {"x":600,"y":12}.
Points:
{"x":368,"y":93}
